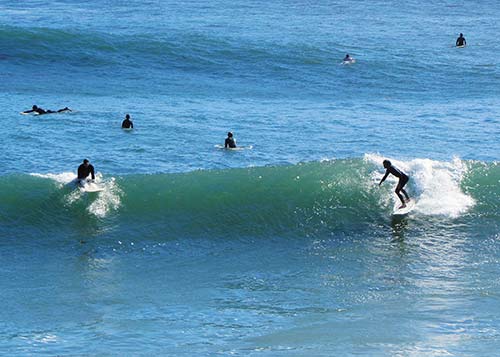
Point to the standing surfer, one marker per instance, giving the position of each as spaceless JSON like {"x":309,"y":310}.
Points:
{"x":403,"y":180}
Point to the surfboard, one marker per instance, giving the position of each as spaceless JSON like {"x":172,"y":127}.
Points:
{"x":462,"y":46}
{"x":403,"y":211}
{"x":250,"y":147}
{"x":89,"y":186}
{"x":351,"y":61}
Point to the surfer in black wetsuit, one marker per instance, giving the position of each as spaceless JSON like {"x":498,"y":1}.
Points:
{"x":84,"y":170}
{"x":403,"y":180}
{"x":127,"y":123}
{"x":230,"y":142}
{"x":461,"y":41}
{"x":41,"y":111}
{"x":347,"y":58}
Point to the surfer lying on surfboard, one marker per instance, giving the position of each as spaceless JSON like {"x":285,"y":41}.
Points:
{"x":41,"y":111}
{"x":403,"y":180}
{"x":84,"y":170}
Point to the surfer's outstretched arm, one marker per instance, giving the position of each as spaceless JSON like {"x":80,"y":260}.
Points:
{"x":383,"y":178}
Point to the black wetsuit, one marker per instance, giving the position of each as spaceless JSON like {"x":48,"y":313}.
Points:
{"x":230,"y":143}
{"x":127,"y":124}
{"x":399,"y":174}
{"x":38,"y":111}
{"x":403,"y":180}
{"x":461,"y":41}
{"x":41,"y":111}
{"x":84,"y":171}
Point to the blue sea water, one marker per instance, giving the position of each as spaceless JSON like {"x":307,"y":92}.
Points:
{"x":287,"y":247}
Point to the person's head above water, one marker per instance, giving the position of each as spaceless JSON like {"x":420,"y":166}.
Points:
{"x":127,"y":117}
{"x":229,"y":134}
{"x":461,"y":34}
{"x":34,"y":107}
{"x":85,"y":162}
{"x":387,"y":163}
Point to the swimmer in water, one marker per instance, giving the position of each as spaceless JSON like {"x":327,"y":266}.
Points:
{"x":403,"y":180}
{"x":127,"y":123}
{"x":84,"y":170}
{"x":230,"y":142}
{"x":461,"y":41}
{"x":41,"y":111}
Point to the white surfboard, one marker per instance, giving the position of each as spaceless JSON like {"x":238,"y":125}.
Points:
{"x":351,"y":61}
{"x":403,"y":211}
{"x":250,"y":147}
{"x":89,"y":186}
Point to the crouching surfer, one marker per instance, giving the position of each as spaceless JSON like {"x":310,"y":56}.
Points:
{"x":84,"y":170}
{"x":403,"y":180}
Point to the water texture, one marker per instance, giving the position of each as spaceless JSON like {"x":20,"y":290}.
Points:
{"x":287,"y":247}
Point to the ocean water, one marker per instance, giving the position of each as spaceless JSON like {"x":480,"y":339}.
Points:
{"x":287,"y":247}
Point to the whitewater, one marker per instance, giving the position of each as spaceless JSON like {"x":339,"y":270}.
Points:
{"x":286,"y":247}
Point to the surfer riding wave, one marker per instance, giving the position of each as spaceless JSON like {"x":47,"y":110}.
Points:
{"x":403,"y":180}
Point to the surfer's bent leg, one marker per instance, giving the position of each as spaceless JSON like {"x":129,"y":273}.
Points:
{"x":399,"y":188}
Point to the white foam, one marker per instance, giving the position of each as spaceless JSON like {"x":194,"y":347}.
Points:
{"x":105,"y":201}
{"x":434,"y":184}
{"x":62,"y":178}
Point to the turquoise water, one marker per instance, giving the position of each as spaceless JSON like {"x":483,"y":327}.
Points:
{"x":285,"y":248}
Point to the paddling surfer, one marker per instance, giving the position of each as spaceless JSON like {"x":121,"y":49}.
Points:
{"x":403,"y":180}
{"x":40,"y":111}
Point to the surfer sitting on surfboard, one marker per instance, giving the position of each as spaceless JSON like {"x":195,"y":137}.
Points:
{"x":230,"y":142}
{"x":461,"y":41}
{"x":41,"y":111}
{"x":127,"y":123}
{"x":403,"y":180}
{"x":348,"y":58}
{"x":84,"y":170}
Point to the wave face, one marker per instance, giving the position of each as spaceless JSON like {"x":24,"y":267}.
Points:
{"x":300,"y":200}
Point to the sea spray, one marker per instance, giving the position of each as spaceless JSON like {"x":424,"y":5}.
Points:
{"x":434,"y":185}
